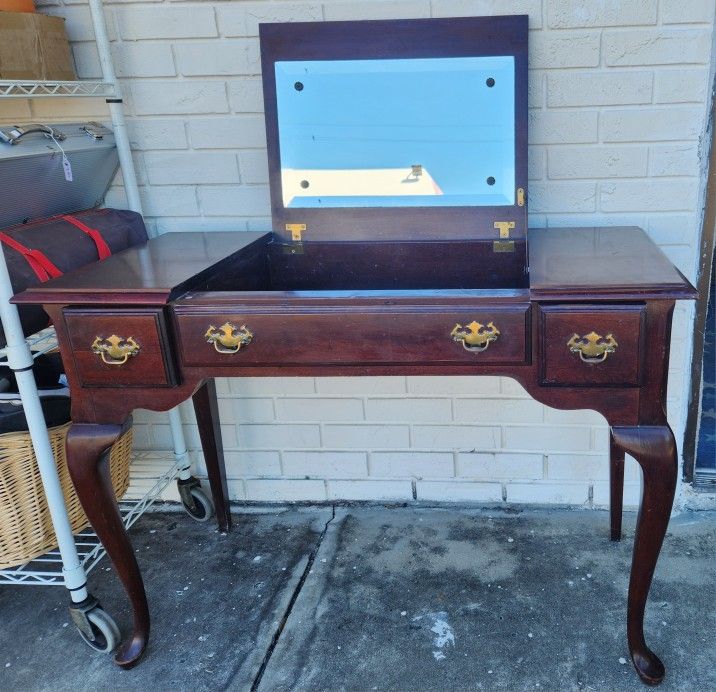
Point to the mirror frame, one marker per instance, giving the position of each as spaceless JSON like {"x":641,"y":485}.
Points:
{"x":408,"y":38}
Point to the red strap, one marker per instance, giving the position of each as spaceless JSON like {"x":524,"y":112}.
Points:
{"x":103,"y":250}
{"x":41,"y":265}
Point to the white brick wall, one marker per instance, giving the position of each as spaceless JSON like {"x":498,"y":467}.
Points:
{"x":618,"y":110}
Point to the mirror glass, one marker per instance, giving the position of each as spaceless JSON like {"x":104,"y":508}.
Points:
{"x":421,"y":132}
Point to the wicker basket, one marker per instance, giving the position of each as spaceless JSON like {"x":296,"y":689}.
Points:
{"x":25,"y":527}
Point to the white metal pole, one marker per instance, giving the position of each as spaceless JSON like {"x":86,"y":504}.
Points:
{"x":129,"y":176}
{"x":116,"y":109}
{"x":20,"y":361}
{"x":124,"y":151}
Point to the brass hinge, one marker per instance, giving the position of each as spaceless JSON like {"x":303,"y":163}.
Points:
{"x":504,"y":227}
{"x":520,"y":197}
{"x":503,"y":245}
{"x":296,"y":230}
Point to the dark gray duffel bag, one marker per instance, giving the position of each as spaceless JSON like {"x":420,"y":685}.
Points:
{"x":40,"y":250}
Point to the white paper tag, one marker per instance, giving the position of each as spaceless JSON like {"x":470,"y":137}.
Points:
{"x":67,"y":168}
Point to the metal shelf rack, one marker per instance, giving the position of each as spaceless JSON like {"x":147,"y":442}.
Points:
{"x":39,"y":343}
{"x":74,"y":557}
{"x":25,"y":89}
{"x":47,"y":569}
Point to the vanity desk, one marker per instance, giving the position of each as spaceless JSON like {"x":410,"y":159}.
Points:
{"x":398,"y":172}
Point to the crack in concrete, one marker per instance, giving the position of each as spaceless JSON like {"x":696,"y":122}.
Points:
{"x":294,"y":597}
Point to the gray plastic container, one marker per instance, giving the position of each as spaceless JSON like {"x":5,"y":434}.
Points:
{"x":32,"y":179}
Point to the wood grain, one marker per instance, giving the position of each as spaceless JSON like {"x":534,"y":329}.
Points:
{"x":151,"y":366}
{"x":619,"y":262}
{"x":655,"y":450}
{"x":349,"y":336}
{"x":88,"y":464}
{"x":404,"y":38}
{"x":206,"y":409}
{"x":621,"y":368}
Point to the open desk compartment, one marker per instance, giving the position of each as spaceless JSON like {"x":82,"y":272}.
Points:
{"x":397,"y":154}
{"x":397,"y":159}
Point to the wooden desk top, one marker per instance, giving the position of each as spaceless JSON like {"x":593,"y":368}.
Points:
{"x":150,"y":273}
{"x":565,"y":264}
{"x":574,"y":263}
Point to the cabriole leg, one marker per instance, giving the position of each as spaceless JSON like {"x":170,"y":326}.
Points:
{"x":88,"y":462}
{"x":616,"y":489}
{"x":655,"y":450}
{"x":207,"y":417}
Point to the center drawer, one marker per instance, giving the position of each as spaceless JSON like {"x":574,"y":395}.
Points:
{"x":481,"y":334}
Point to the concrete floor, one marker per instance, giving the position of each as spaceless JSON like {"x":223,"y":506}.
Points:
{"x":374,"y":598}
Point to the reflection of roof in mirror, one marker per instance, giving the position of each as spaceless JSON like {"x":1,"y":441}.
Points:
{"x":360,"y":126}
{"x":374,"y":182}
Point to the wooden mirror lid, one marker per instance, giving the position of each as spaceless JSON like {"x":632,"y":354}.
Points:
{"x":396,"y":39}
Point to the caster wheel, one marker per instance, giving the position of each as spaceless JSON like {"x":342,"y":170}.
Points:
{"x":203,"y":508}
{"x":105,"y":631}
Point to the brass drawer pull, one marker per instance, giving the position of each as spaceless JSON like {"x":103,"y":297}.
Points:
{"x":592,"y":347}
{"x":475,"y":337}
{"x":115,"y":350}
{"x":227,"y":338}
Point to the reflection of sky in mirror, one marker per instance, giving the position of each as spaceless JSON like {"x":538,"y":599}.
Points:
{"x":353,"y":130}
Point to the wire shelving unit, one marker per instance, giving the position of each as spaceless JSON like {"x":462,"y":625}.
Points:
{"x":46,"y":570}
{"x":75,"y":556}
{"x":23,"y":89}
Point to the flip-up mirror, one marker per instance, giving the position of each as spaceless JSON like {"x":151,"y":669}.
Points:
{"x":398,"y":130}
{"x":427,"y":132}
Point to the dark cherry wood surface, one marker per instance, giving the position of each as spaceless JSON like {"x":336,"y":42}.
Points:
{"x":88,"y":464}
{"x":405,"y":38}
{"x":362,"y":265}
{"x":383,"y":329}
{"x":148,"y":329}
{"x":150,"y":273}
{"x":619,"y":262}
{"x":616,"y":488}
{"x":382,"y":334}
{"x":655,"y":450}
{"x":625,"y":323}
{"x":565,"y":264}
{"x":206,"y":409}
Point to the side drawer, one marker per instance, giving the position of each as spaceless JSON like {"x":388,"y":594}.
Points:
{"x":120,"y":347}
{"x":368,"y":335}
{"x":592,"y":344}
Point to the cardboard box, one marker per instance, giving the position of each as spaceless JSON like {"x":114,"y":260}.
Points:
{"x":17,"y":6}
{"x":34,"y":46}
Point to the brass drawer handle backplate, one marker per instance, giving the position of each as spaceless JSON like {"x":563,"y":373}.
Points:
{"x":592,"y":347}
{"x":228,"y":338}
{"x":115,"y":350}
{"x":475,"y":337}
